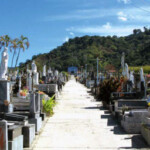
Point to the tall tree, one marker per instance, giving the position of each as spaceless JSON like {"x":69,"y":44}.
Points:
{"x":14,"y":46}
{"x":4,"y":41}
{"x":23,"y":44}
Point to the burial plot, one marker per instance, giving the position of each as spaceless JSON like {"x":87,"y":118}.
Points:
{"x":145,"y":128}
{"x":133,"y":119}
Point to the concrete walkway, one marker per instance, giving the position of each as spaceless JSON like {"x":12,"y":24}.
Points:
{"x":80,"y":123}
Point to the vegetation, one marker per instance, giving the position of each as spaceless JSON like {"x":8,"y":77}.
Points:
{"x":146,"y":69}
{"x":84,"y":50}
{"x":14,"y":44}
{"x":106,"y":88}
{"x":48,"y":106}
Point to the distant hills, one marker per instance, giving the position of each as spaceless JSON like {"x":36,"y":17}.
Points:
{"x":84,"y":50}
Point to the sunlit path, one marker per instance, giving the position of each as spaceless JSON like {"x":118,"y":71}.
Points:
{"x":81,"y":123}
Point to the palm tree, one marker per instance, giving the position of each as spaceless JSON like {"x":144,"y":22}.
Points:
{"x":14,"y":46}
{"x":21,"y":44}
{"x":4,"y":41}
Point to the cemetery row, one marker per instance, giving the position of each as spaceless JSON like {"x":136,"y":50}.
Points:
{"x":126,"y":95}
{"x":24,"y":102}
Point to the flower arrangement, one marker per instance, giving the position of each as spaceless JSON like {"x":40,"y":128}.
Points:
{"x":41,"y":82}
{"x":41,"y":92}
{"x":23,"y":93}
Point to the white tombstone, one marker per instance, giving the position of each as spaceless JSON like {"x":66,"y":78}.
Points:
{"x":123,"y":63}
{"x":132,"y":77}
{"x":35,"y":74}
{"x":29,"y":80}
{"x":34,"y":67}
{"x":36,"y":78}
{"x":19,"y":83}
{"x":44,"y":71}
{"x":56,"y":73}
{"x":142,"y":75}
{"x":49,"y":71}
{"x":4,"y":64}
{"x":127,"y":71}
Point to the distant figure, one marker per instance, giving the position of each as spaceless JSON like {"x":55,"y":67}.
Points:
{"x":4,"y":65}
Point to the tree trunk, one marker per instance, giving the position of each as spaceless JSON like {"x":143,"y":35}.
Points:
{"x":13,"y":59}
{"x":17,"y":57}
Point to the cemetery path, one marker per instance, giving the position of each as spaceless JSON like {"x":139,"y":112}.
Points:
{"x":80,"y":123}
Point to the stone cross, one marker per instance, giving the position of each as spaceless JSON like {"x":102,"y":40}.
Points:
{"x":4,"y":64}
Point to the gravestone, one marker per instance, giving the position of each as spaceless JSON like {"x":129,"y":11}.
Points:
{"x":145,"y":128}
{"x":132,"y":120}
{"x":35,"y":111}
{"x":4,"y":64}
{"x":44,"y":74}
{"x":4,"y":96}
{"x":3,"y":135}
{"x":35,"y":74}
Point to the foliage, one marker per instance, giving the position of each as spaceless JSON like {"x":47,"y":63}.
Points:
{"x":48,"y":106}
{"x":107,"y":87}
{"x":146,"y":69}
{"x":84,"y":50}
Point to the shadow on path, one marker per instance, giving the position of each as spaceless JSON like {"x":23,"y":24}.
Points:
{"x":137,"y":140}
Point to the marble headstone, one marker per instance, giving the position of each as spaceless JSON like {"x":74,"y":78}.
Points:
{"x":4,"y":64}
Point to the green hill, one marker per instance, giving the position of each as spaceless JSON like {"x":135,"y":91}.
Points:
{"x":84,"y":50}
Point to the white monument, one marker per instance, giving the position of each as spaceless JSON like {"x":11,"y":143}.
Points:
{"x":34,"y":67}
{"x":132,"y":77}
{"x":29,"y":79}
{"x":123,"y":63}
{"x":142,"y":75}
{"x":127,"y":71}
{"x":49,"y":71}
{"x":35,"y":74}
{"x":4,"y":65}
{"x":44,"y":71}
{"x":56,"y":73}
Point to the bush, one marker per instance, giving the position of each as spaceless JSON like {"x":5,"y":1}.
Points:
{"x":48,"y":106}
{"x":106,"y":88}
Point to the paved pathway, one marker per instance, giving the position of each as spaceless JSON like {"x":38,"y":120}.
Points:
{"x":80,"y":123}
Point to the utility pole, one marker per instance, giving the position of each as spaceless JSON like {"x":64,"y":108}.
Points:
{"x":97,"y":69}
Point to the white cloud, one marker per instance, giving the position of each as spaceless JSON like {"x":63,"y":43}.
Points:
{"x":82,"y":15}
{"x":71,"y":33}
{"x":105,"y":30}
{"x":107,"y":26}
{"x":66,"y":39}
{"x":125,"y":1}
{"x":131,"y":15}
{"x":122,"y":16}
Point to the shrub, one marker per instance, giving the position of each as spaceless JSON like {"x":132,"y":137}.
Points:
{"x":107,"y":87}
{"x":48,"y":106}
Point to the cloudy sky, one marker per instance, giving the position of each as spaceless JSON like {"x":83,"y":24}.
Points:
{"x":49,"y":23}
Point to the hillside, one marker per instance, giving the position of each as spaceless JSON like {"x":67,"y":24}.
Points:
{"x":84,"y":50}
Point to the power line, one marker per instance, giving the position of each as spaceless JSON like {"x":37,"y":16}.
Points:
{"x":139,"y":7}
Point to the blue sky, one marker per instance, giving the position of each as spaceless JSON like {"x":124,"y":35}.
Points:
{"x":49,"y":23}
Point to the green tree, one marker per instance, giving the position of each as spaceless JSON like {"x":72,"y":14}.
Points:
{"x":23,"y":44}
{"x":14,"y":46}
